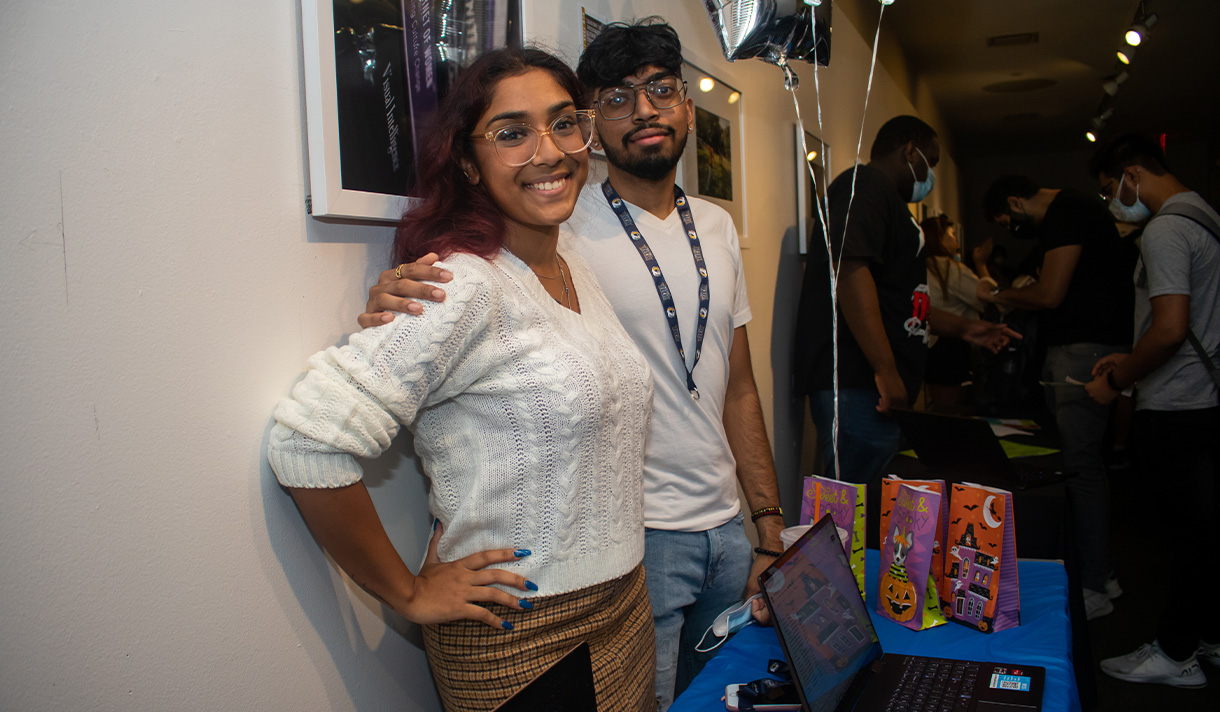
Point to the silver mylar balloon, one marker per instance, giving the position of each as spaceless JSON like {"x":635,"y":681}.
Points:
{"x":775,"y":31}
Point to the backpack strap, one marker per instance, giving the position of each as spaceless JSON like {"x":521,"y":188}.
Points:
{"x":1200,"y":217}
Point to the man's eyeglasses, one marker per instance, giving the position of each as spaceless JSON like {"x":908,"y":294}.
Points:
{"x":619,"y":102}
{"x":517,"y":144}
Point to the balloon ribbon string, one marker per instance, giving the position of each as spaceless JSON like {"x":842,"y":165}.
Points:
{"x":834,"y":265}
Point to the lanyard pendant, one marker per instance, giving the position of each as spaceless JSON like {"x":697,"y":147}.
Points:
{"x":694,"y":393}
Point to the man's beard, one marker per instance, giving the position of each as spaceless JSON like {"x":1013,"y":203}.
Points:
{"x":653,"y":165}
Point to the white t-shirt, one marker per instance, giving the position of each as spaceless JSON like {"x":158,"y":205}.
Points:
{"x":960,"y":296}
{"x":690,"y":476}
{"x":1178,"y":256}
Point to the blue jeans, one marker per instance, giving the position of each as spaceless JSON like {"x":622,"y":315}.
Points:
{"x":692,"y":577}
{"x":1082,"y":426}
{"x":868,"y":440}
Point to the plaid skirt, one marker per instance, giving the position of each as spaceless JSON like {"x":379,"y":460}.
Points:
{"x":477,"y":667}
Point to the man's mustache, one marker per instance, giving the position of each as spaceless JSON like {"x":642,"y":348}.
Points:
{"x":647,"y":127}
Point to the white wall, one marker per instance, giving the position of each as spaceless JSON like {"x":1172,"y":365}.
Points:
{"x":162,"y":287}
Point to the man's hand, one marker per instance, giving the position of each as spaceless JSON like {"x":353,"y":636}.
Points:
{"x":1099,"y":388}
{"x":397,"y":288}
{"x":757,"y":606}
{"x":988,"y":335}
{"x":1105,"y":364}
{"x":893,"y":391}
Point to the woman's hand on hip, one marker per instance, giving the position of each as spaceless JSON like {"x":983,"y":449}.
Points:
{"x":449,"y":591}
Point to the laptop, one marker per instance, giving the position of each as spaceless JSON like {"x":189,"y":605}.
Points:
{"x":969,"y":447}
{"x":836,"y":659}
{"x":565,"y":686}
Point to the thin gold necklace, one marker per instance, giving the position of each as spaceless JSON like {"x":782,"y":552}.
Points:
{"x":567,"y":293}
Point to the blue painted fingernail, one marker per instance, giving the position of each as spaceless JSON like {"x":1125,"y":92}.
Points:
{"x":531,"y":585}
{"x":506,"y":625}
{"x":526,"y":604}
{"x":521,"y":553}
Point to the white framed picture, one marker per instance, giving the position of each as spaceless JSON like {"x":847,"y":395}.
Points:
{"x":375,"y":71}
{"x":810,"y":189}
{"x":713,"y":163}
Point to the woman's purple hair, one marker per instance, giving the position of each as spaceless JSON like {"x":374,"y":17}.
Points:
{"x":453,"y":215}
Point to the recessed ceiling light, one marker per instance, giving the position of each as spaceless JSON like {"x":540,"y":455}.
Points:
{"x":706,"y":84}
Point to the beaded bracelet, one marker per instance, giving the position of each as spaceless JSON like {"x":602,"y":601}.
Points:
{"x":766,"y":512}
{"x":767,"y":552}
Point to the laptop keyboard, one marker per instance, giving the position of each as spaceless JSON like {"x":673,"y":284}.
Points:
{"x":934,"y":685}
{"x":1033,"y":477}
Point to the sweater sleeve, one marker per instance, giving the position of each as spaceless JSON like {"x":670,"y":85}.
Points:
{"x":353,"y":399}
{"x":963,"y":284}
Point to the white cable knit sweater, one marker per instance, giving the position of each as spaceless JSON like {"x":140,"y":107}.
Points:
{"x":530,"y":420}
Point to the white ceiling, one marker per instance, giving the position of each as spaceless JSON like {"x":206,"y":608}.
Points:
{"x":1173,"y":85}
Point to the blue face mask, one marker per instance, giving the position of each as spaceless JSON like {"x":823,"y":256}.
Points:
{"x":1136,"y":213}
{"x":730,"y":621}
{"x":921,"y":187}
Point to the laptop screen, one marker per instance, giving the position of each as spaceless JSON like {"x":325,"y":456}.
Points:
{"x":820,"y":616}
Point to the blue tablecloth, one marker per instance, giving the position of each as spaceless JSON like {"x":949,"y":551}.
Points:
{"x":1044,"y":638}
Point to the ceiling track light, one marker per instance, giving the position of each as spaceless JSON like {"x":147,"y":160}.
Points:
{"x":1111,"y":84}
{"x":1139,"y":29}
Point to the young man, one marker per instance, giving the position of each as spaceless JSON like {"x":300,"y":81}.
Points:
{"x":884,"y":313}
{"x":1084,"y":297}
{"x":1177,"y":400}
{"x":707,"y":429}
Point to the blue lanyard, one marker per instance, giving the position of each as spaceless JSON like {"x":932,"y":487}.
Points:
{"x":663,"y":291}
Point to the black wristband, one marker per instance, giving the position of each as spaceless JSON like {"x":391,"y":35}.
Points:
{"x":767,"y":552}
{"x":766,"y":512}
{"x":1113,"y":383}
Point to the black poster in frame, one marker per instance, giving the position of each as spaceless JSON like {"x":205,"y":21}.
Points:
{"x":375,"y":71}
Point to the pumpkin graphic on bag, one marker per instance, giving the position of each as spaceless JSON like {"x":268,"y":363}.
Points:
{"x":896,"y":587}
{"x":899,"y":593}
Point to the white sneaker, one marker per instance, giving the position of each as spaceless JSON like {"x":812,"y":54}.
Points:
{"x":1096,"y":604}
{"x":1150,"y":664}
{"x":1208,"y":652}
{"x":1113,"y":590}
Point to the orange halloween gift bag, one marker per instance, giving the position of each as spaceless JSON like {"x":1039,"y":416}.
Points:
{"x":981,"y":565}
{"x":907,"y":584}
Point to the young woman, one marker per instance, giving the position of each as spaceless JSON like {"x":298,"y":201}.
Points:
{"x":528,"y":402}
{"x":952,"y":287}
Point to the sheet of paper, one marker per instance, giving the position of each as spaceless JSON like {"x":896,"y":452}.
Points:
{"x":1006,"y":430}
{"x":1015,"y":450}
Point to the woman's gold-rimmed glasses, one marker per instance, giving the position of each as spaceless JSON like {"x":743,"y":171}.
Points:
{"x":517,"y":144}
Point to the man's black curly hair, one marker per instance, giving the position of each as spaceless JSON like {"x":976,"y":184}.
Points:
{"x":995,"y":200}
{"x":620,"y":49}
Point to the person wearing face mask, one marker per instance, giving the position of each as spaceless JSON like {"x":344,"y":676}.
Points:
{"x":1084,"y":298}
{"x":884,"y":311}
{"x":953,"y":287}
{"x":1177,"y":317}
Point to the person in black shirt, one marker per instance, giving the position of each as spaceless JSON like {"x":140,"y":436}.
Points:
{"x":1086,"y":301}
{"x":884,"y":313}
